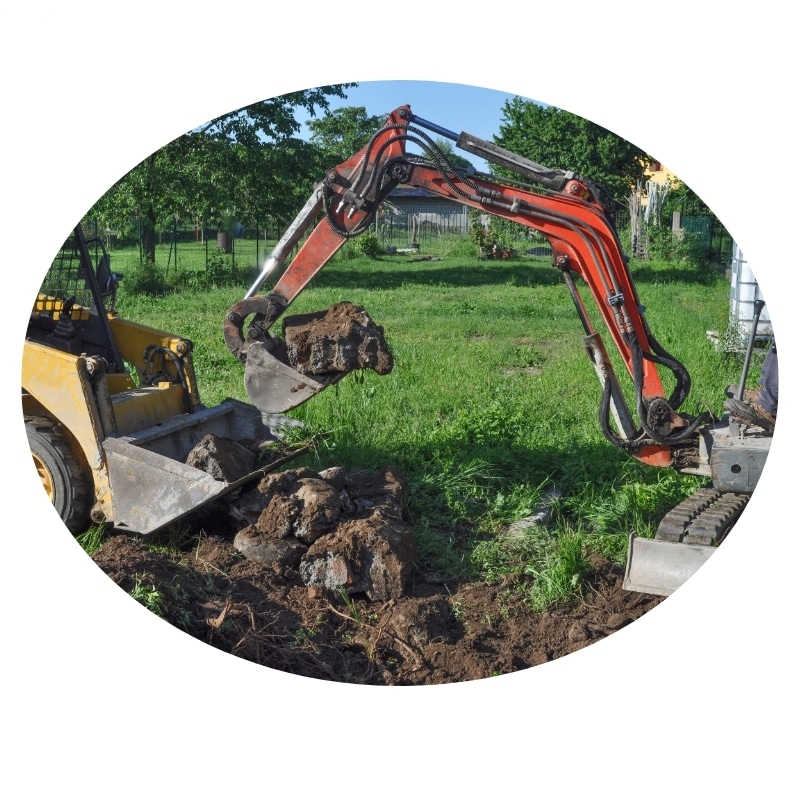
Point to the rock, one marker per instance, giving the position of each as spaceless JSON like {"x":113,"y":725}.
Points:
{"x":336,"y":477}
{"x":374,"y":556}
{"x":326,"y":571}
{"x":319,"y":506}
{"x":279,"y":516}
{"x":223,"y":459}
{"x":279,"y":553}
{"x":386,"y":490}
{"x":284,"y":481}
{"x":347,"y":528}
{"x":307,"y":509}
{"x":541,"y":516}
{"x":249,"y":506}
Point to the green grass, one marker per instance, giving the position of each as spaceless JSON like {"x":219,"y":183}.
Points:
{"x":491,"y":398}
{"x":147,"y":594}
{"x":91,"y":539}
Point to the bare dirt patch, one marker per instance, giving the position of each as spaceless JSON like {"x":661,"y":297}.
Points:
{"x":392,"y":627}
{"x":315,"y":573}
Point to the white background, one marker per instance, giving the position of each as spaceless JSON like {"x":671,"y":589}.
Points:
{"x":698,"y":696}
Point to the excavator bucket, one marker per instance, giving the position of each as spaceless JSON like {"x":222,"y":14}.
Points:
{"x":660,"y":567}
{"x":275,"y":387}
{"x":318,"y":350}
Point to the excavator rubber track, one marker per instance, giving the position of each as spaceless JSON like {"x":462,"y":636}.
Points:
{"x":685,"y":540}
{"x":703,"y":518}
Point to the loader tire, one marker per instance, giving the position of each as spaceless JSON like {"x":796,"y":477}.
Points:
{"x":66,"y":481}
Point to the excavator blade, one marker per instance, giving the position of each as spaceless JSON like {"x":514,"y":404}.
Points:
{"x":660,"y":567}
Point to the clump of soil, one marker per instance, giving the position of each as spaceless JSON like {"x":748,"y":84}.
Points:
{"x":340,"y":339}
{"x":341,"y":531}
{"x":413,"y":631}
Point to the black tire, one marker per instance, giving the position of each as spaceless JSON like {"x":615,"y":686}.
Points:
{"x":68,"y":484}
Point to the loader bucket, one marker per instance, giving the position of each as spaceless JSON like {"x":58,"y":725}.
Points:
{"x":149,"y":482}
{"x":660,"y":567}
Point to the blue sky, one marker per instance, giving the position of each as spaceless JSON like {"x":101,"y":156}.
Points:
{"x":454,"y":106}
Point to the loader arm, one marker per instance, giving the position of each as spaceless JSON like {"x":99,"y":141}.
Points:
{"x":567,"y":210}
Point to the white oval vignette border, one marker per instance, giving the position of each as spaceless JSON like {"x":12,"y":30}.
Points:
{"x":703,"y":669}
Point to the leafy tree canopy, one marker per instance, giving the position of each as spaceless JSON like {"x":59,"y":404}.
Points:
{"x":272,"y":119}
{"x":341,"y":133}
{"x":244,"y":165}
{"x":455,"y":158}
{"x":561,"y":140}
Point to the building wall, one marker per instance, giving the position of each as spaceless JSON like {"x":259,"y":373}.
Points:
{"x":657,"y":172}
{"x":416,"y":214}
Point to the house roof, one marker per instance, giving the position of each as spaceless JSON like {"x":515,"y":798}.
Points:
{"x":412,"y":191}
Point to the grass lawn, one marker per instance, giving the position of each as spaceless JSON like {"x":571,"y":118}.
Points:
{"x":491,"y":401}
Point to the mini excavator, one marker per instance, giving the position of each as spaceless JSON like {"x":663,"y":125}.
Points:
{"x":576,"y":217}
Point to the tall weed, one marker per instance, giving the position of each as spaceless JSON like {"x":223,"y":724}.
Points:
{"x":560,"y":574}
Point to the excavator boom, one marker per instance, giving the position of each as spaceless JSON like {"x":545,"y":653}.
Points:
{"x":569,"y":211}
{"x":576,"y":218}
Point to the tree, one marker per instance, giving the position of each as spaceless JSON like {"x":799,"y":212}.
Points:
{"x":274,"y":182}
{"x":237,"y":163}
{"x":682,"y":198}
{"x":561,"y":140}
{"x":449,"y":150}
{"x":272,"y":119}
{"x":341,"y":133}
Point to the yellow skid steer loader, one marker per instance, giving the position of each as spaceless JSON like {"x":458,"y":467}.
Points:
{"x":112,"y":409}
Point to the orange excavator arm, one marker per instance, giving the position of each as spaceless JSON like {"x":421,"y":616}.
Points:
{"x":569,"y":211}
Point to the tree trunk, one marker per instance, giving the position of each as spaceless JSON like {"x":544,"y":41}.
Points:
{"x":149,"y":221}
{"x":149,"y":237}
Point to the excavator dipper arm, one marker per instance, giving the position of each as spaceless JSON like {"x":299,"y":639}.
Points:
{"x":572,"y":214}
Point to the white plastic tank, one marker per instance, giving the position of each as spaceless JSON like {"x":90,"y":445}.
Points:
{"x":744,"y":293}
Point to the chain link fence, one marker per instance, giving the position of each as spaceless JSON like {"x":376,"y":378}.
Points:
{"x":412,"y":226}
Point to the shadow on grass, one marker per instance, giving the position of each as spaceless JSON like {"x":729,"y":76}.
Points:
{"x":703,"y":275}
{"x":458,"y":491}
{"x":387,"y":273}
{"x":391,"y":273}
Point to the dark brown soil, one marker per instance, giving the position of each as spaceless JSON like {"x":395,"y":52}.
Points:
{"x":261,"y":584}
{"x":433,"y":634}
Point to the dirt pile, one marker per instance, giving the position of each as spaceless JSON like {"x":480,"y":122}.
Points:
{"x":341,"y":531}
{"x":313,"y":574}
